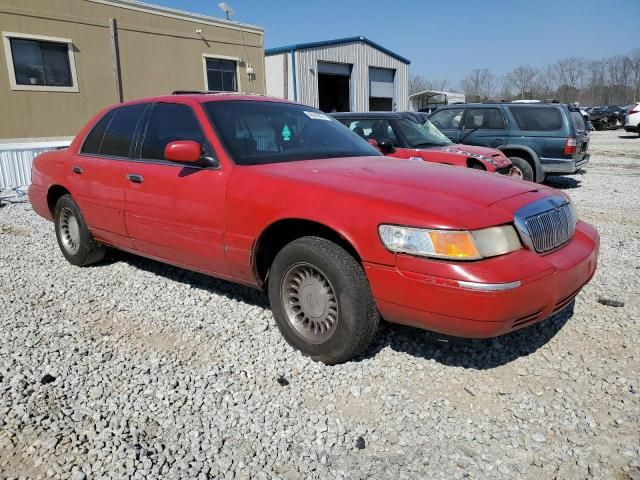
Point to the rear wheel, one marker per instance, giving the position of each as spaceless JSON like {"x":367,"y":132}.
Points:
{"x":522,"y":168}
{"x":74,"y":239}
{"x":321,"y":300}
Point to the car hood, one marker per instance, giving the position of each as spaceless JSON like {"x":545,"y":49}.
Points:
{"x":445,"y":190}
{"x":491,"y":155}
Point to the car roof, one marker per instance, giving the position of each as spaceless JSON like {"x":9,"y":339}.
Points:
{"x":498,"y":104}
{"x":205,"y":97}
{"x":366,"y":115}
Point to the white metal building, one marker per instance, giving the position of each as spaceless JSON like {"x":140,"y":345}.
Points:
{"x":347,"y":74}
{"x":430,"y":100}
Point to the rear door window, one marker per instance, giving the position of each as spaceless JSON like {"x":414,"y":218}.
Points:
{"x":484,"y":119}
{"x":91,"y":145}
{"x":170,"y":122}
{"x":545,"y":119}
{"x":119,"y":135}
{"x":447,"y":119}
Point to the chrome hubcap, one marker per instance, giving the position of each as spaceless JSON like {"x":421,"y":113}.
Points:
{"x":518,"y":172}
{"x":310,"y":303}
{"x":69,"y":231}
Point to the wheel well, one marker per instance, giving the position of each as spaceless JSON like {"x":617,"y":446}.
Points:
{"x":475,"y":163}
{"x":278,"y":234}
{"x":522,"y":154}
{"x":53,"y":195}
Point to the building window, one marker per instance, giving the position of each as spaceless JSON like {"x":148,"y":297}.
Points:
{"x":40,"y":63}
{"x":222,"y":74}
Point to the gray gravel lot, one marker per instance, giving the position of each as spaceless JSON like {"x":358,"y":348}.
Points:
{"x":135,"y":369}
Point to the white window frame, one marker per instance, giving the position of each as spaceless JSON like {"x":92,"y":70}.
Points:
{"x":221,"y":57}
{"x":6,"y":36}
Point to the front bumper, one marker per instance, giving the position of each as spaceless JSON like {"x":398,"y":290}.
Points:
{"x":409,"y":294}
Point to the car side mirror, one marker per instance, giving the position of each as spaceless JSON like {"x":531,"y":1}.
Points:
{"x":183,"y":151}
{"x":386,"y":146}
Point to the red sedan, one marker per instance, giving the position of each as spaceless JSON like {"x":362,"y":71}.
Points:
{"x":282,"y":197}
{"x":395,"y":135}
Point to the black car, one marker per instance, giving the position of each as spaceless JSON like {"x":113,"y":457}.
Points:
{"x":543,"y":138}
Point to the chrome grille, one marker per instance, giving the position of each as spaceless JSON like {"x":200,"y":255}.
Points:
{"x":546,"y":224}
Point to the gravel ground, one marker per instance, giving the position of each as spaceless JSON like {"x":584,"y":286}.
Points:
{"x":135,"y":369}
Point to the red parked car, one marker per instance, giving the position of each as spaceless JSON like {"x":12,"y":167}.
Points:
{"x":398,"y":135}
{"x":280,"y":196}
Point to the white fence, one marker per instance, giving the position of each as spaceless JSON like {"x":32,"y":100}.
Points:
{"x":16,"y":158}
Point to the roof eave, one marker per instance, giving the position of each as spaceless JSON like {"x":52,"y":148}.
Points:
{"x":338,"y":41}
{"x":180,"y":14}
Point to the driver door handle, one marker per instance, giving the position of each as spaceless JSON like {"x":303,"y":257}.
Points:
{"x":76,"y":169}
{"x":135,"y":178}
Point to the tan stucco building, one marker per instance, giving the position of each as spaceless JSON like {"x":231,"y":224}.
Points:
{"x":61,"y":61}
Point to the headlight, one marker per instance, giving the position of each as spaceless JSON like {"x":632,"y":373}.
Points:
{"x":450,"y":244}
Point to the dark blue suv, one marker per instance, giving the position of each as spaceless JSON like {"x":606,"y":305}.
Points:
{"x":540,"y":139}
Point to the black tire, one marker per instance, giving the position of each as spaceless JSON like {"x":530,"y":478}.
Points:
{"x":523,"y":167}
{"x":75,"y":240}
{"x":356,"y":315}
{"x":477,"y":166}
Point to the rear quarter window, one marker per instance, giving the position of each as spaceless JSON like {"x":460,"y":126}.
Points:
{"x":119,"y":135}
{"x":578,"y":120}
{"x":91,"y":145}
{"x":545,"y":119}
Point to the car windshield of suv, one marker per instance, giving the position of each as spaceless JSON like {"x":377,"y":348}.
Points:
{"x":425,"y":135}
{"x":259,"y":132}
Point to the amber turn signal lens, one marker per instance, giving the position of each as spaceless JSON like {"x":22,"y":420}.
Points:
{"x":454,"y":244}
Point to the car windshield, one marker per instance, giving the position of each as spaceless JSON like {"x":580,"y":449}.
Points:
{"x":259,"y":132}
{"x":425,"y":135}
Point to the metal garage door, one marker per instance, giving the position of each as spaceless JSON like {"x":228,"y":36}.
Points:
{"x":334,"y":68}
{"x":381,"y":82}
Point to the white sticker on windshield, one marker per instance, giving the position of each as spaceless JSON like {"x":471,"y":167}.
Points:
{"x":317,"y":115}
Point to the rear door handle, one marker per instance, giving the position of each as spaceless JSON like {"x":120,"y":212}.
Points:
{"x":76,"y":169}
{"x":135,"y":178}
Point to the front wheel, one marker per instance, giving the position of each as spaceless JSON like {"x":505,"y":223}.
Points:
{"x":522,"y":168}
{"x":74,"y":239}
{"x":321,"y":300}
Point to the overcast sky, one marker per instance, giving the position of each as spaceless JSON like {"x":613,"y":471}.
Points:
{"x":447,"y":39}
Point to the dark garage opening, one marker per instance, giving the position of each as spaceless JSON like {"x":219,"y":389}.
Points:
{"x":334,"y":92}
{"x":334,"y":87}
{"x":380,"y":104}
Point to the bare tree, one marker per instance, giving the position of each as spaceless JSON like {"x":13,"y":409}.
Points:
{"x":420,"y":83}
{"x":438,"y":84}
{"x":548,"y":81}
{"x":607,"y":81}
{"x":634,"y":59}
{"x":619,"y":70}
{"x":506,"y":88}
{"x":522,"y":79}
{"x":478,"y":85}
{"x":570,"y":72}
{"x":417,"y":83}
